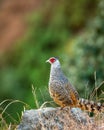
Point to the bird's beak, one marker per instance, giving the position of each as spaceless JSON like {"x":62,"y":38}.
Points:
{"x":47,"y":61}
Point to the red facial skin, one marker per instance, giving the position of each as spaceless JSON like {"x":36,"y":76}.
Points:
{"x":52,"y":60}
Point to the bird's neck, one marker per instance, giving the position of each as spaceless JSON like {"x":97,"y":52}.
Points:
{"x":55,"y":71}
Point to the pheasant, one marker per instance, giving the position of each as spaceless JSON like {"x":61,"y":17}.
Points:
{"x":64,"y":93}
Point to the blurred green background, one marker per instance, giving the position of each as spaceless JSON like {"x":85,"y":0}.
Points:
{"x":33,"y":31}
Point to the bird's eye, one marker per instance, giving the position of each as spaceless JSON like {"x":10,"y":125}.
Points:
{"x":52,"y":60}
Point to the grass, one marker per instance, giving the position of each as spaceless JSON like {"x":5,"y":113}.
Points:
{"x":4,"y":115}
{"x":97,"y":93}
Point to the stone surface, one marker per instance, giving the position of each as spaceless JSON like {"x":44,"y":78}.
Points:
{"x":53,"y":119}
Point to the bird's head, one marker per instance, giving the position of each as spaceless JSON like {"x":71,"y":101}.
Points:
{"x":54,"y":61}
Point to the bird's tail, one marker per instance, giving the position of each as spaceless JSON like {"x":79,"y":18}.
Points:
{"x":90,"y":106}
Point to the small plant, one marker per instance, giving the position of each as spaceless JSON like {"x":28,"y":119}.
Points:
{"x":5,"y":116}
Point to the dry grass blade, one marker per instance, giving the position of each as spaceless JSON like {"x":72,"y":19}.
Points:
{"x":35,"y":97}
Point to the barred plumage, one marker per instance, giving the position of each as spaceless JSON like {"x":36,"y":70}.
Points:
{"x":90,"y":106}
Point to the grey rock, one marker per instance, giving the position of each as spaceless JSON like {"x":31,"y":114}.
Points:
{"x":51,"y":119}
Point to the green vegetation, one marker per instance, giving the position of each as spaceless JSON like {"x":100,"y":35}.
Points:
{"x":86,"y":56}
{"x":48,"y":34}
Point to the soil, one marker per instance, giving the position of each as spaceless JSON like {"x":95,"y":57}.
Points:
{"x":12,"y":23}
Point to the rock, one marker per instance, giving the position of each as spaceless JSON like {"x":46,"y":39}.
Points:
{"x":53,"y":119}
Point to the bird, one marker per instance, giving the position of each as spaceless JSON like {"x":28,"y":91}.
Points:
{"x":64,"y":93}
